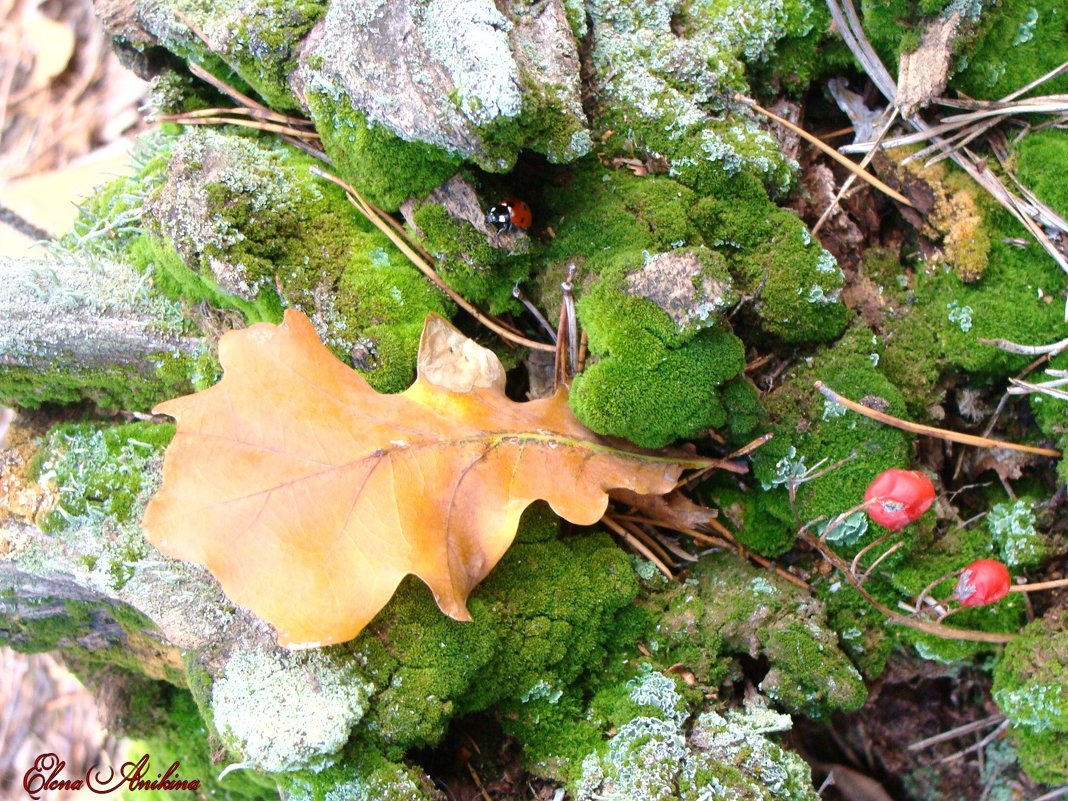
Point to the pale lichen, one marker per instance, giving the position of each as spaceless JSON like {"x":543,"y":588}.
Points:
{"x":314,"y":702}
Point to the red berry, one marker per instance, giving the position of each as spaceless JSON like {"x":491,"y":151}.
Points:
{"x":897,"y":497}
{"x":983,"y":582}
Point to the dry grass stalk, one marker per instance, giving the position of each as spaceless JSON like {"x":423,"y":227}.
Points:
{"x":857,"y":170}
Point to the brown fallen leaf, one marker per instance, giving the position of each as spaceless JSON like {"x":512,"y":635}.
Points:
{"x":310,"y":496}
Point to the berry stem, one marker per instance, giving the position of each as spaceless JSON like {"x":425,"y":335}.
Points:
{"x":1039,"y":585}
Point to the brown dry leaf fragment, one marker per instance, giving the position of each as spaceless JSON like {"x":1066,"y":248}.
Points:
{"x":310,"y":496}
{"x":674,"y":508}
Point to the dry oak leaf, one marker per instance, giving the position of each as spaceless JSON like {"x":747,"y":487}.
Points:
{"x":310,"y":496}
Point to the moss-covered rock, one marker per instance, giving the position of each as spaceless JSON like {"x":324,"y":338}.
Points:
{"x":386,"y":168}
{"x":102,"y":476}
{"x":729,"y":607}
{"x":654,"y":379}
{"x":467,"y":79}
{"x":250,"y":42}
{"x":241,"y":223}
{"x":468,"y":261}
{"x":654,"y":756}
{"x":89,"y":328}
{"x":666,"y":72}
{"x":1031,"y":688}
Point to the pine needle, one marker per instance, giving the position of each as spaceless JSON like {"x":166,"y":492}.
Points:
{"x":861,"y":173}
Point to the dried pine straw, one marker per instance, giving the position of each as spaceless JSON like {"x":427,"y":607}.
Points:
{"x":63,"y":92}
{"x":1031,"y":213}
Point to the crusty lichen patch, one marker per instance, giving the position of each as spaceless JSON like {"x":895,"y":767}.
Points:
{"x":656,"y":756}
{"x":314,"y":702}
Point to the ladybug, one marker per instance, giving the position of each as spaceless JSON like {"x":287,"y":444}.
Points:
{"x":509,"y":214}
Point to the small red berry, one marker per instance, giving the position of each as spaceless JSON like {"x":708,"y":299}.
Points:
{"x":983,"y":582}
{"x":897,"y":497}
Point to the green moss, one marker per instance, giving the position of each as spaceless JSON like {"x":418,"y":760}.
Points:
{"x":862,"y":630}
{"x":103,"y":477}
{"x":174,"y":92}
{"x":540,"y":620}
{"x":797,"y":58}
{"x":1038,"y":161}
{"x":912,"y":358}
{"x":731,"y":608}
{"x":799,"y":300}
{"x":602,"y":212}
{"x":385,"y":168}
{"x":1031,"y":675}
{"x":362,"y":774}
{"x":760,"y":520}
{"x":745,"y":413}
{"x":1044,"y":757}
{"x":174,"y":279}
{"x":257,"y":53}
{"x":263,"y":46}
{"x":44,"y":626}
{"x":810,"y":431}
{"x":1020,"y":540}
{"x":664,"y":73}
{"x":183,"y":737}
{"x":1016,"y":41}
{"x":793,"y":283}
{"x":256,"y":232}
{"x":1006,"y":303}
{"x":646,"y":391}
{"x":116,"y":387}
{"x":1030,"y":681}
{"x":543,"y":125}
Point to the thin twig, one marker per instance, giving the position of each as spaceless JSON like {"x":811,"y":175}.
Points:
{"x":957,"y":731}
{"x":1039,"y":585}
{"x":628,"y":538}
{"x":22,"y":225}
{"x":827,"y":149}
{"x":979,"y":745}
{"x":944,"y":632}
{"x":257,"y":112}
{"x":930,"y":431}
{"x":259,"y":125}
{"x":517,"y":293}
{"x":1027,"y":350}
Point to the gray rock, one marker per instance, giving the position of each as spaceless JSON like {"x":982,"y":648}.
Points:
{"x":446,"y":72}
{"x":692,"y":286}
